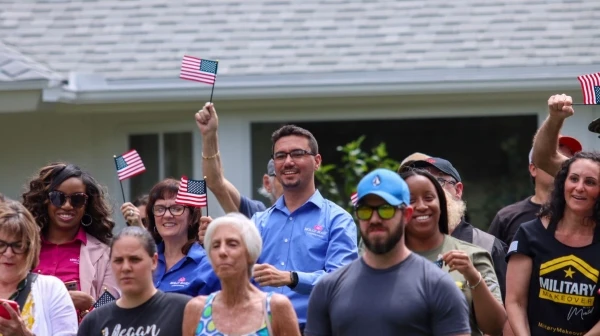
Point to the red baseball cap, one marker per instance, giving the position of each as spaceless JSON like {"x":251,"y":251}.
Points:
{"x":573,"y":144}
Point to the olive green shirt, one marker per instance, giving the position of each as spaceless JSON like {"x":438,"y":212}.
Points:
{"x":482,"y":261}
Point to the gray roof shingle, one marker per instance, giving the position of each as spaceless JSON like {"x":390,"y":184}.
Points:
{"x":14,"y":66}
{"x":139,"y":39}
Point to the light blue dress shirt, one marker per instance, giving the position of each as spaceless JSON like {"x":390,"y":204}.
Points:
{"x":317,"y":238}
{"x":192,"y":275}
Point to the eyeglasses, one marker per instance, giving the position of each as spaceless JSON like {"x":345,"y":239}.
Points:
{"x":17,"y":247}
{"x":365,"y":212}
{"x":443,"y":181}
{"x":296,"y":154}
{"x":175,"y":210}
{"x":59,"y":198}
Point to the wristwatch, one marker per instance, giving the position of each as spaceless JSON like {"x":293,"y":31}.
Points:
{"x":294,"y":279}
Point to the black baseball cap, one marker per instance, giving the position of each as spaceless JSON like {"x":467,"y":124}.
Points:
{"x":440,"y":164}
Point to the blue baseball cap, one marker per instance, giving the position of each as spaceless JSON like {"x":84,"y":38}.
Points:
{"x":386,"y":184}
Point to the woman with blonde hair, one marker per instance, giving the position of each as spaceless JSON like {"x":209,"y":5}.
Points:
{"x":239,"y":308}
{"x":44,"y":305}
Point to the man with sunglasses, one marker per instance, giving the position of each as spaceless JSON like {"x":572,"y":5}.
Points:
{"x":389,"y":290}
{"x":450,"y":180}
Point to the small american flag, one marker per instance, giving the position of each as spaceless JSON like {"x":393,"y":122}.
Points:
{"x":105,"y":298}
{"x":354,"y":198}
{"x":590,"y":86}
{"x":198,"y":70}
{"x":191,"y":192}
{"x":129,"y":165}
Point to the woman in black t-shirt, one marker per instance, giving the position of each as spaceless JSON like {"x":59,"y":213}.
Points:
{"x":142,"y":309}
{"x":554,"y":261}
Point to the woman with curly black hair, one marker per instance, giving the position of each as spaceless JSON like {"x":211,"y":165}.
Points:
{"x":72,"y":211}
{"x":554,"y":260}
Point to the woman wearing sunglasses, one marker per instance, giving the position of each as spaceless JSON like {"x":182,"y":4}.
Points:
{"x":470,"y":266}
{"x":71,"y":209}
{"x":183,"y":265}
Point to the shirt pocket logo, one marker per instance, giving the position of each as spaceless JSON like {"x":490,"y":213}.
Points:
{"x":317,"y":231}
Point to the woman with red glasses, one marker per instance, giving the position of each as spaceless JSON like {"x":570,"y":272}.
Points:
{"x":74,"y":216}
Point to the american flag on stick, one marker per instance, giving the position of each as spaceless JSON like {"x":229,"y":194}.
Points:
{"x":191,"y":192}
{"x":129,"y":164}
{"x":198,"y":70}
{"x":354,"y":198}
{"x":590,"y":87}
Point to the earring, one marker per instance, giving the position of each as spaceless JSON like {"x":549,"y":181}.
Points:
{"x":86,"y":220}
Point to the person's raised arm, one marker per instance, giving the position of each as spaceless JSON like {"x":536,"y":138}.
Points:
{"x":545,"y":144}
{"x":225,"y":192}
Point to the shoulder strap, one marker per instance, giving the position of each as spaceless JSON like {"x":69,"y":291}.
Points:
{"x":267,"y":310}
{"x":484,"y":240}
{"x":23,"y":293}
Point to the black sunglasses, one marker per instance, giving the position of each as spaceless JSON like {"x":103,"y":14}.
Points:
{"x":59,"y":198}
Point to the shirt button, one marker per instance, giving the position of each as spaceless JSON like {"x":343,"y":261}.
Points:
{"x":285,"y":240}
{"x":291,"y":218}
{"x":282,"y":263}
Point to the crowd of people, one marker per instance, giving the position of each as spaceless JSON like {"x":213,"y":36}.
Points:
{"x":410,"y":264}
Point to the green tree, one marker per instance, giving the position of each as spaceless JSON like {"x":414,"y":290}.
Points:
{"x":337,"y":182}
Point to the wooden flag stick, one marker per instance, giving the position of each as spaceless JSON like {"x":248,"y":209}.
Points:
{"x":206,"y":189}
{"x":213,"y":86}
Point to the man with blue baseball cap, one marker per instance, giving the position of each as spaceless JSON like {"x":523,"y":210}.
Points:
{"x":389,"y":290}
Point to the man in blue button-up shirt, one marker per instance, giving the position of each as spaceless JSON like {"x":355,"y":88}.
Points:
{"x":304,"y":235}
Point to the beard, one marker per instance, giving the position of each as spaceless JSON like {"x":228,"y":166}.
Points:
{"x":384,"y":246}
{"x":456,"y":211}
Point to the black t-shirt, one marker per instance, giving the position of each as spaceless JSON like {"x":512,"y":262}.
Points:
{"x":465,"y":232}
{"x":563,"y":291}
{"x":508,"y":219}
{"x":162,"y":315}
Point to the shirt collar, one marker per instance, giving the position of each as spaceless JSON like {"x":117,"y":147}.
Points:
{"x":316,"y":199}
{"x":196,"y":252}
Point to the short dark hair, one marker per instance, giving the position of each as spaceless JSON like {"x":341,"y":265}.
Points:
{"x":443,"y":222}
{"x":141,"y":200}
{"x":164,"y":189}
{"x":289,"y":130}
{"x":141,"y":234}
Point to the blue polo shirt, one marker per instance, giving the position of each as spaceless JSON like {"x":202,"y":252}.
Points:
{"x":192,"y":275}
{"x":317,"y":238}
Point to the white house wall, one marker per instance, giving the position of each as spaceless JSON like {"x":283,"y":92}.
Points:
{"x":91,"y":135}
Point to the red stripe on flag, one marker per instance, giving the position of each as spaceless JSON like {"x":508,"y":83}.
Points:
{"x":587,"y":87}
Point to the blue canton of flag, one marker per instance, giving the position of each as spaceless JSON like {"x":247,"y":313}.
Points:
{"x":208,"y":66}
{"x":597,"y":92}
{"x":105,"y":298}
{"x":121,"y":163}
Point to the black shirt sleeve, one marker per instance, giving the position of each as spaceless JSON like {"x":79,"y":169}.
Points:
{"x":521,"y":241}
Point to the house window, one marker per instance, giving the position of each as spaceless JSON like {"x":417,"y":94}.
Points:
{"x":164,"y":155}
